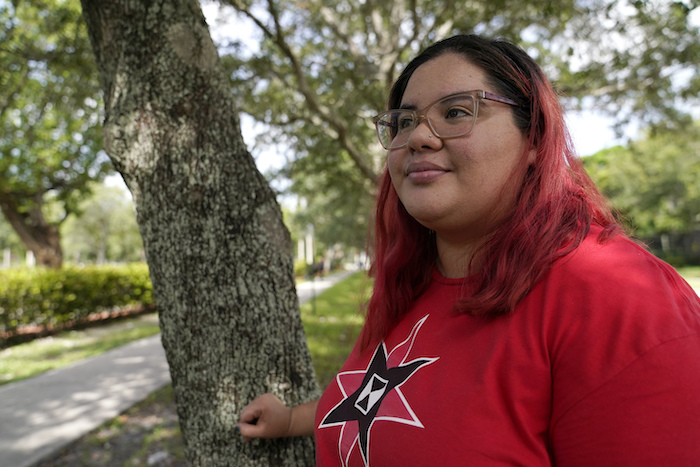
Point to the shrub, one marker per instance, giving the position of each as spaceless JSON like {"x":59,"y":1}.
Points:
{"x":47,"y":297}
{"x":300,"y":268}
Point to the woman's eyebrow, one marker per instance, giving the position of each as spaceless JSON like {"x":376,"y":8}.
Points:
{"x":446,"y":96}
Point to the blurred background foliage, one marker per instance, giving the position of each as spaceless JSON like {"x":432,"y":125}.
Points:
{"x":52,"y":299}
{"x":311,"y":74}
{"x":50,"y":120}
{"x":655,"y":184}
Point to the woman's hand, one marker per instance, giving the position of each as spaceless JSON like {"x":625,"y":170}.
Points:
{"x":268,"y":417}
{"x":265,"y":417}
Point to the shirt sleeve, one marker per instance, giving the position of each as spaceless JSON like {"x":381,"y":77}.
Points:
{"x":646,"y":415}
{"x":624,"y":345}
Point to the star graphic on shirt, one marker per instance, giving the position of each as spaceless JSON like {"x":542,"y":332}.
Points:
{"x":375,"y":395}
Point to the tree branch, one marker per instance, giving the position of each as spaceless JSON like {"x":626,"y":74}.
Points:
{"x":341,"y":33}
{"x":304,"y":88}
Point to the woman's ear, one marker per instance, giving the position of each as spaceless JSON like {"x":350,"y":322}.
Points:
{"x":532,"y":156}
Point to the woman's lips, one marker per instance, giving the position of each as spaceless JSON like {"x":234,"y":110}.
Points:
{"x":424,"y":172}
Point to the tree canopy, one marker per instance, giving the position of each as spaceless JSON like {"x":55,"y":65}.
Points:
{"x":105,"y":230}
{"x":319,"y":70}
{"x":10,"y":241}
{"x":50,"y":119}
{"x":654,"y":181}
{"x":314,"y":73}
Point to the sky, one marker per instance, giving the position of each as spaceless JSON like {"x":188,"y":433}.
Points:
{"x":592,"y":132}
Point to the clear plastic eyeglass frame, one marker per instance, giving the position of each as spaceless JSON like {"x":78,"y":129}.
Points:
{"x":388,"y":123}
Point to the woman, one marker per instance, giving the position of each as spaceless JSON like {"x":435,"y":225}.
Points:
{"x":512,"y":322}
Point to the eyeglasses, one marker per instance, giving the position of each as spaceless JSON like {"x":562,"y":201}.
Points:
{"x":448,"y":117}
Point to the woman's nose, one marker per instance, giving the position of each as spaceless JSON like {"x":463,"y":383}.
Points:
{"x":422,"y":136}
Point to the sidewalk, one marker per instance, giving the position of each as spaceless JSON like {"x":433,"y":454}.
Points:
{"x":40,"y":415}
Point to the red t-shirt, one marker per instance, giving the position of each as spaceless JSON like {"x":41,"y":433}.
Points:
{"x":598,"y":366}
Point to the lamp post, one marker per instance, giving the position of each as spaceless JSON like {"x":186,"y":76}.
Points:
{"x":310,"y":247}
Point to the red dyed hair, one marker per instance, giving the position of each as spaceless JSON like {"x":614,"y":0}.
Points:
{"x":554,"y":210}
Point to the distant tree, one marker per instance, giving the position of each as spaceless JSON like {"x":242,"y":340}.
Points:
{"x":335,"y":218}
{"x":318,"y":70}
{"x":219,"y":255}
{"x":653,"y":182}
{"x":105,"y":228}
{"x":49,"y":120}
{"x":10,"y":241}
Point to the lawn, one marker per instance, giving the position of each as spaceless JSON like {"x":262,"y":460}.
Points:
{"x":47,"y":353}
{"x":333,"y":323}
{"x":691,"y":274}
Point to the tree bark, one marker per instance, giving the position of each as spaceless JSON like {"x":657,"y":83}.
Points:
{"x":219,"y":255}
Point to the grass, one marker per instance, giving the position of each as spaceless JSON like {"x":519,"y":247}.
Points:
{"x":691,"y":274}
{"x":48,"y":353}
{"x":332,"y":323}
{"x":152,"y":427}
{"x":146,"y":434}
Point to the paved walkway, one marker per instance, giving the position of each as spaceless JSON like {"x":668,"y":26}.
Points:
{"x":40,"y":415}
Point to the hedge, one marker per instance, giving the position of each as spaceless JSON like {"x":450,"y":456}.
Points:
{"x":50,"y":298}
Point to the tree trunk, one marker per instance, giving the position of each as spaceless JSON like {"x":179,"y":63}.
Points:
{"x":218,"y":252}
{"x":39,"y":236}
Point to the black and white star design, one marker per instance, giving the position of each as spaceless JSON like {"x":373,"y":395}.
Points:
{"x":380,"y":382}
